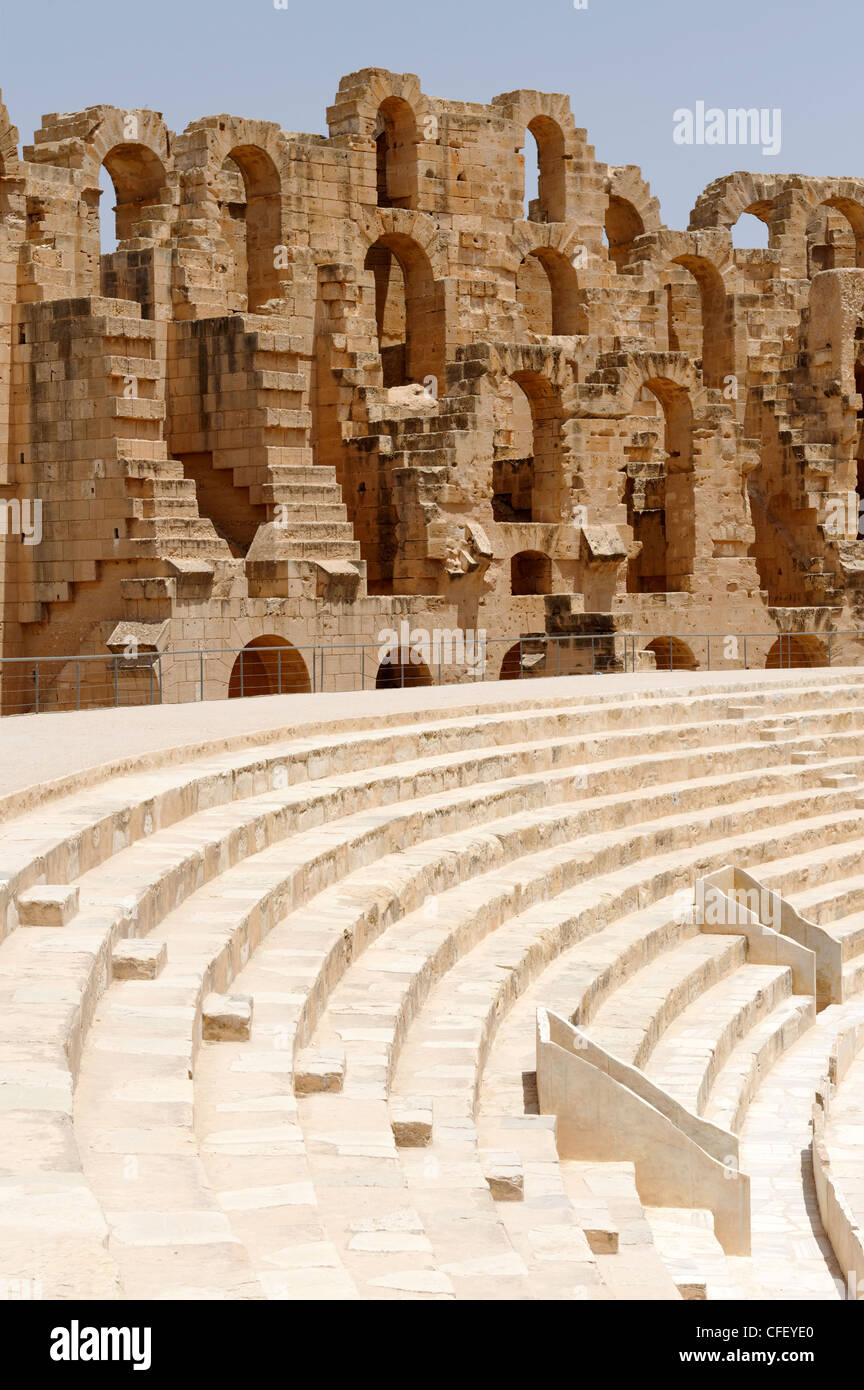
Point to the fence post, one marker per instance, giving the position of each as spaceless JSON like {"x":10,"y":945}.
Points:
{"x":242,"y":667}
{"x":77,"y":684}
{"x":745,"y":651}
{"x":116,"y":688}
{"x":37,"y":687}
{"x":201,"y":671}
{"x":362,"y":666}
{"x":829,"y":648}
{"x":593,"y":657}
{"x":709,"y":651}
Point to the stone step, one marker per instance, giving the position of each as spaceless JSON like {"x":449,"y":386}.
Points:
{"x":753,"y":1057}
{"x":694,"y":1047}
{"x":633,"y":1019}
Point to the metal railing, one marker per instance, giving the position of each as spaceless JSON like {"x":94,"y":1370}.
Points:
{"x":36,"y":684}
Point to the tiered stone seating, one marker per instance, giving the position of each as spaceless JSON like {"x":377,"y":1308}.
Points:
{"x":396,"y":902}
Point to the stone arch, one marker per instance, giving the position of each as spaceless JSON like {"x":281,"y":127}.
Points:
{"x":134,"y":147}
{"x":793,"y":651}
{"x":402,"y":675}
{"x":724,"y":200}
{"x":416,"y":227}
{"x":409,"y":309}
{"x":658,"y":485}
{"x":835,"y":242}
{"x":708,"y":260}
{"x":362,"y":94}
{"x":671,"y":654}
{"x":530,"y":573}
{"x":396,"y":154}
{"x":257,"y":223}
{"x":715,"y":339}
{"x":525,"y":660}
{"x":550,"y":204}
{"x":631,"y":211}
{"x":140,"y":179}
{"x":234,"y":186}
{"x":547,"y":287}
{"x":546,"y":119}
{"x":771,"y":200}
{"x":528,"y":464}
{"x":356,"y":113}
{"x":268,"y":665}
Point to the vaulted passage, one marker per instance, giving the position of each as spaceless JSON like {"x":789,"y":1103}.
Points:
{"x":136,"y":177}
{"x":530,"y":573}
{"x":409,"y":313}
{"x":547,"y":288}
{"x":791,"y":652}
{"x":396,"y":155}
{"x":658,"y":489}
{"x":268,"y":666}
{"x":545,"y":172}
{"x":527,"y":478}
{"x":251,"y":224}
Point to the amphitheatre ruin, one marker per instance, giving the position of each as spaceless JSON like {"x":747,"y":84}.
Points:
{"x":415,"y":980}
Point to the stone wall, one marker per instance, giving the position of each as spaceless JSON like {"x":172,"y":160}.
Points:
{"x":325,"y":384}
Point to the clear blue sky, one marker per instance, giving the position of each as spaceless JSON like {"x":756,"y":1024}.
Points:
{"x":626,"y":65}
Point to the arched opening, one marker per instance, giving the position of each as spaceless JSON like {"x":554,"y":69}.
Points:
{"x":527,"y":466}
{"x":251,"y":220}
{"x":623,"y":224}
{"x":792,"y":652}
{"x":268,"y":666}
{"x":547,"y":287}
{"x":409,"y":313}
{"x":107,"y":213}
{"x":525,"y":660}
{"x":671,"y":654}
{"x":835,"y":236}
{"x":698,"y":319}
{"x":751,"y":231}
{"x":137,"y":177}
{"x":134,"y":177}
{"x":402,"y":675}
{"x":658,"y":489}
{"x":545,"y":172}
{"x":530,"y":573}
{"x":396,"y":154}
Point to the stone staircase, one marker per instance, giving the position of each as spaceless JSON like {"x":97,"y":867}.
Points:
{"x":396,"y":901}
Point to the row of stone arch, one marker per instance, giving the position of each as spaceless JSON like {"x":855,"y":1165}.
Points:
{"x":271,"y":665}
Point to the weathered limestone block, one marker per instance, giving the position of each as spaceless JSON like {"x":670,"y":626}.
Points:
{"x":319,"y":1069}
{"x":49,"y":905}
{"x":411,"y":1122}
{"x":227,"y":1018}
{"x":134,"y":959}
{"x":502,"y":1170}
